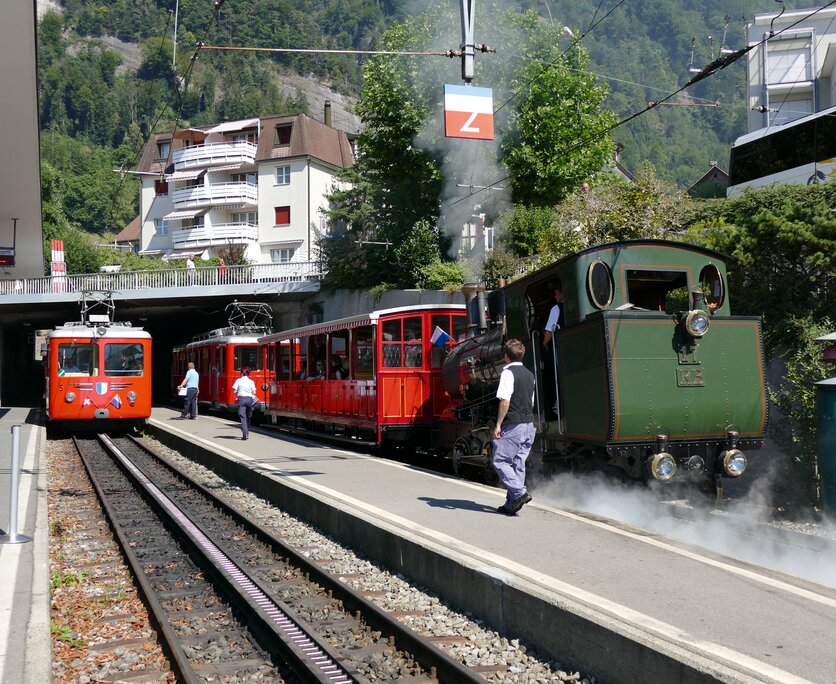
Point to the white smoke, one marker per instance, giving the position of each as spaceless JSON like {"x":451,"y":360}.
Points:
{"x":743,"y":528}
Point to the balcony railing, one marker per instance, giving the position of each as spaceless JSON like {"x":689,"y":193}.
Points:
{"x":198,"y":156}
{"x":166,"y":278}
{"x":237,"y":193}
{"x":221,"y":234}
{"x":215,"y":194}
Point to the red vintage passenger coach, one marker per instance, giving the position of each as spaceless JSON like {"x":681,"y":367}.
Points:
{"x":374,"y":377}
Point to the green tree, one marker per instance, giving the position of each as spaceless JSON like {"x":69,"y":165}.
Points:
{"x":784,"y":241}
{"x":395,"y":184}
{"x":795,"y":429}
{"x":79,"y":253}
{"x":558,"y":135}
{"x":614,"y":210}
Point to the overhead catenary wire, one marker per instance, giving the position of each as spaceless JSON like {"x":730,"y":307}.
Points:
{"x":330,"y":51}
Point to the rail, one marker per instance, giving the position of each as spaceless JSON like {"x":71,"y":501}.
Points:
{"x":209,"y":276}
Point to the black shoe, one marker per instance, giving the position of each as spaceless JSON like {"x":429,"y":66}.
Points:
{"x":179,"y":418}
{"x":245,"y":438}
{"x":520,"y":501}
{"x":505,"y":511}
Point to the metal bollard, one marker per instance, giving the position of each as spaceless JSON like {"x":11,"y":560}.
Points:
{"x":12,"y":537}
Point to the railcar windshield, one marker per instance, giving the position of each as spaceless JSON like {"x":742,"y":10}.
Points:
{"x":77,"y":359}
{"x":247,"y":356}
{"x":123,"y":359}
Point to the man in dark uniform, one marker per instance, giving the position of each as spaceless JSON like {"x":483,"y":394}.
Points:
{"x":514,"y":430}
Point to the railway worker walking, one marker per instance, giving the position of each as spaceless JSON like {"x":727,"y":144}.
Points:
{"x":514,"y":431}
{"x":190,"y":382}
{"x":244,"y":389}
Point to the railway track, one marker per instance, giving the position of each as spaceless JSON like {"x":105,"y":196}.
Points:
{"x":229,"y":597}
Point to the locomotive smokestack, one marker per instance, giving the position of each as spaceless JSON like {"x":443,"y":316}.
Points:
{"x":327,"y":114}
{"x":469,"y":290}
{"x":480,"y":302}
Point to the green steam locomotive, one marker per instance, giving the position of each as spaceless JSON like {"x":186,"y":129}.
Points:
{"x":649,"y":372}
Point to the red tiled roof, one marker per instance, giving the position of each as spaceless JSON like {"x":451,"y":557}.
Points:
{"x":308,"y":137}
{"x":130,"y":233}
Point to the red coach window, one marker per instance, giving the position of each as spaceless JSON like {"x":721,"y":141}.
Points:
{"x":363,"y":352}
{"x":282,"y":216}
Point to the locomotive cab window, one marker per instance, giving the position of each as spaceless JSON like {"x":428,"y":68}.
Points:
{"x":656,"y":290}
{"x":711,"y":286}
{"x":599,"y":284}
{"x":123,"y":359}
{"x":77,"y":359}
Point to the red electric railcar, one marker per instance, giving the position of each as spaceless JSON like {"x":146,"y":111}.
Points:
{"x":97,"y":374}
{"x":219,"y":356}
{"x":374,"y":377}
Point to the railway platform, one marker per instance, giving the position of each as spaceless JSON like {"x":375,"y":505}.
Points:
{"x":24,"y":567}
{"x":608,"y":598}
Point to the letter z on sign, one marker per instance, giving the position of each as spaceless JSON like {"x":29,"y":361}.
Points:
{"x":468,"y":112}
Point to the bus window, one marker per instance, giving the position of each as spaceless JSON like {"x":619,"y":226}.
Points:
{"x":363,"y":352}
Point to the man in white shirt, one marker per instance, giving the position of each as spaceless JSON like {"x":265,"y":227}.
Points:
{"x":514,"y":431}
{"x":244,"y":389}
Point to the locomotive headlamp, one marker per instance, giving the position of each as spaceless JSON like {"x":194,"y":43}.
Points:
{"x":132,"y":396}
{"x":734,"y":462}
{"x":662,"y":466}
{"x":69,"y":397}
{"x":696,"y":323}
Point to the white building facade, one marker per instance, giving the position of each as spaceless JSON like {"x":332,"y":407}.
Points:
{"x":792,"y":74}
{"x":257,"y":185}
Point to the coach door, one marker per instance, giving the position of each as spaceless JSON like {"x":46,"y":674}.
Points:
{"x":403,"y":385}
{"x":218,"y":372}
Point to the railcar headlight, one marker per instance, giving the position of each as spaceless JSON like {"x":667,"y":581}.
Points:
{"x":662,"y":466}
{"x":132,"y":396}
{"x":69,"y":397}
{"x":696,"y":323}
{"x":734,"y":462}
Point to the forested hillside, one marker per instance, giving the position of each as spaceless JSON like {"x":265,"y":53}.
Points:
{"x":98,"y":104}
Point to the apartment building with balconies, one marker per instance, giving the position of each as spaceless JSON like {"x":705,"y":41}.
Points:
{"x":257,"y":184}
{"x":791,"y":75}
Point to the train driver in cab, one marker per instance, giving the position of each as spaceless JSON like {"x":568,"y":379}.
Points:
{"x":555,"y":322}
{"x":556,"y":315}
